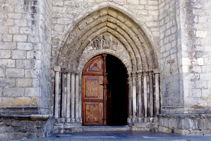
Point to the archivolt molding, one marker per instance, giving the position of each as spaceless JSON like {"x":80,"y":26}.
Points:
{"x":109,"y":46}
{"x":109,"y":20}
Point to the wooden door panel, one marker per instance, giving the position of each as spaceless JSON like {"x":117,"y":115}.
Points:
{"x":93,"y":88}
{"x":92,"y":92}
{"x":93,"y":112}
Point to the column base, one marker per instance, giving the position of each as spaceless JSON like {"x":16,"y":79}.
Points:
{"x":129,"y":122}
{"x":134,"y":119}
{"x":140,"y":119}
{"x":72,"y":120}
{"x":145,"y":119}
{"x":68,"y":120}
{"x":62,"y":120}
{"x":151,"y":119}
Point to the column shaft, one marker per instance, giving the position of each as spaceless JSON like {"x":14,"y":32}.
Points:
{"x":140,"y":110}
{"x":134,"y":97}
{"x":68,"y":98}
{"x":64,"y":86}
{"x":157,"y":93}
{"x":77,"y":98}
{"x":73,"y":97}
{"x":57,"y":69}
{"x":151,"y":93}
{"x":145,"y":95}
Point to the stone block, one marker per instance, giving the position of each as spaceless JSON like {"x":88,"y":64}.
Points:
{"x":7,"y":82}
{"x":14,"y":15}
{"x":19,"y":38}
{"x":22,"y":22}
{"x":34,"y":55}
{"x":7,"y":101}
{"x":18,"y":123}
{"x":24,"y":82}
{"x":7,"y":37}
{"x":23,"y":101}
{"x":33,"y":39}
{"x":206,"y":93}
{"x":35,"y":101}
{"x":24,"y":64}
{"x":14,"y":30}
{"x":2,"y":72}
{"x":196,"y":92}
{"x":5,"y":53}
{"x":13,"y":92}
{"x":32,"y":92}
{"x":3,"y":30}
{"x":131,"y":1}
{"x":7,"y":63}
{"x":7,"y":45}
{"x":14,"y":72}
{"x":17,"y":54}
{"x":32,"y":73}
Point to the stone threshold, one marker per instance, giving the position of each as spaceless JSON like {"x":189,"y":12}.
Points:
{"x":106,"y":128}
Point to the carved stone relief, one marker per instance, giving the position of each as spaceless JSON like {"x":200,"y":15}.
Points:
{"x":105,"y":41}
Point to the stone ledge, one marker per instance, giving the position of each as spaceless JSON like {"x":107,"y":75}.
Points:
{"x":31,"y":117}
{"x":184,"y":115}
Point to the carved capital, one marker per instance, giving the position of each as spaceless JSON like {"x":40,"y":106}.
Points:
{"x":156,"y":71}
{"x":57,"y":68}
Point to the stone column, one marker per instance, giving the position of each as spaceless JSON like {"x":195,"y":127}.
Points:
{"x":140,"y":109}
{"x":157,"y":91}
{"x":145,"y":96}
{"x":129,"y":120}
{"x":134,"y":75}
{"x":64,"y":86}
{"x":73,"y":97}
{"x":151,"y":95}
{"x":77,"y":98}
{"x":57,"y":70}
{"x":68,"y":98}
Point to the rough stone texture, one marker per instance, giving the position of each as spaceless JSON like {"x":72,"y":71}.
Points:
{"x":172,"y":98}
{"x":185,"y":124}
{"x":25,"y":48}
{"x":173,"y":36}
{"x":196,"y":54}
{"x":24,"y":128}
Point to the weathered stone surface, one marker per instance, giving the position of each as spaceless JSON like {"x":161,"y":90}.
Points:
{"x":13,"y":92}
{"x":14,"y":72}
{"x":22,"y":101}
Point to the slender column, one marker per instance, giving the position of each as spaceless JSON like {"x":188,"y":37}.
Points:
{"x":157,"y":93}
{"x":64,"y":86}
{"x":57,"y":69}
{"x":80,"y":98}
{"x":68,"y":98}
{"x":130,"y":101}
{"x":134,"y":96}
{"x":140,"y":110}
{"x":77,"y":97}
{"x":151,"y":95}
{"x":73,"y":98}
{"x":145,"y":96}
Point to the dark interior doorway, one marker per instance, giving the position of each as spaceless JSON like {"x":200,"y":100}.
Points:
{"x":117,"y":92}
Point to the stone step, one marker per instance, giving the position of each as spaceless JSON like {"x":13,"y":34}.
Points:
{"x":106,"y":128}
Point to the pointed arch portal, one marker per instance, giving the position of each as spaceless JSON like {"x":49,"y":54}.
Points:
{"x":106,"y":31}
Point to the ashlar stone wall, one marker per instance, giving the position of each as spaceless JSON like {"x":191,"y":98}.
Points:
{"x":25,"y":46}
{"x":25,"y":51}
{"x":196,"y":53}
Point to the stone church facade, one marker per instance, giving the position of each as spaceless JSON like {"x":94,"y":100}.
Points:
{"x":45,"y":45}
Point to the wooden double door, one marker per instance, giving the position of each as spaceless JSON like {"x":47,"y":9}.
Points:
{"x":94,"y":89}
{"x":104,"y":92}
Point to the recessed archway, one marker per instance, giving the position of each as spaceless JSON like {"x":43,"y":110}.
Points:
{"x":112,"y":32}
